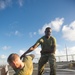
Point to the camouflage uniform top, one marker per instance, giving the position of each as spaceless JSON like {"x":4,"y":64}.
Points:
{"x":28,"y":67}
{"x":46,"y":44}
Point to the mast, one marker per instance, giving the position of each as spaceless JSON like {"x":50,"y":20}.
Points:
{"x":66,"y":53}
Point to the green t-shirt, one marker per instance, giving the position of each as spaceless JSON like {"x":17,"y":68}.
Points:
{"x":27,"y":69}
{"x":46,"y":44}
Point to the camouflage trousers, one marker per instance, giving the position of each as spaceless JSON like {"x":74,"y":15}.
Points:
{"x":42,"y":63}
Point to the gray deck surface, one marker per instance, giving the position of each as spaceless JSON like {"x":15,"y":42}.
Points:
{"x":59,"y":72}
{"x":46,"y":72}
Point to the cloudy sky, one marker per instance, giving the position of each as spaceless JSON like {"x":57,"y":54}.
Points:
{"x":22,"y":23}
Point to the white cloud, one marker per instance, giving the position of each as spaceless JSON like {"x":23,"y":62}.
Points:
{"x":6,"y":47}
{"x":60,"y":52}
{"x":2,"y":5}
{"x":37,"y":54}
{"x":5,"y":3}
{"x":21,"y":2}
{"x":41,"y":31}
{"x":2,"y":56}
{"x":69,"y":31}
{"x":31,"y":34}
{"x":71,"y":50}
{"x":3,"y":59}
{"x":34,"y":33}
{"x":16,"y":33}
{"x":21,"y":52}
{"x":55,"y":25}
{"x":37,"y":51}
{"x":8,"y":3}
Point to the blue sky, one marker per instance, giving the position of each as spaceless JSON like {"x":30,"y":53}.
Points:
{"x":22,"y":23}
